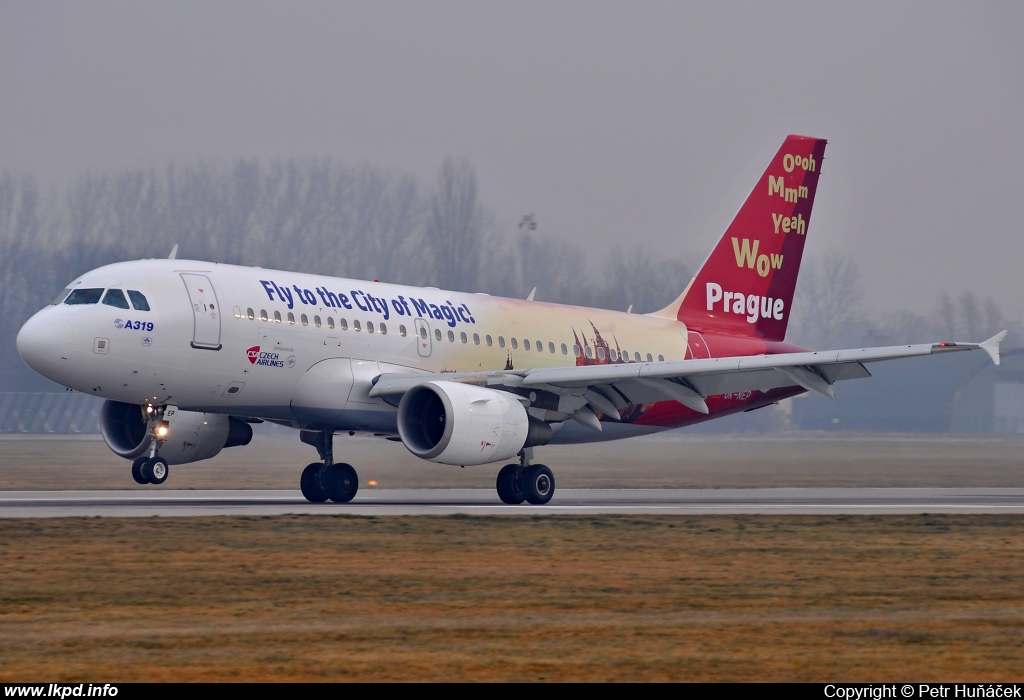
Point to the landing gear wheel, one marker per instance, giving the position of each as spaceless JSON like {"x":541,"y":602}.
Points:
{"x":137,"y":471}
{"x":154,"y":471}
{"x":342,"y":482}
{"x":538,"y":484}
{"x":312,"y":483}
{"x":510,"y":489}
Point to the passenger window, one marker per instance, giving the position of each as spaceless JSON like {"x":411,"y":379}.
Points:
{"x":551,"y":348}
{"x":576,"y":350}
{"x":138,"y":300}
{"x":369,"y":327}
{"x":437,"y":333}
{"x":401,"y":331}
{"x":649,"y":358}
{"x":636,"y":356}
{"x":661,"y":358}
{"x":291,"y":319}
{"x":476,"y":339}
{"x":250,"y":314}
{"x":356,"y":327}
{"x":330,"y":323}
{"x":451,"y":337}
{"x":600,"y":353}
{"x":61,"y":297}
{"x":383,"y":329}
{"x":84,"y":296}
{"x":277,"y":317}
{"x":501,"y":341}
{"x":238,"y":312}
{"x":462,"y":336}
{"x":487,"y":339}
{"x":423,"y":333}
{"x":343,"y":324}
{"x":263,"y":314}
{"x":316,"y":321}
{"x":565,"y":350}
{"x":515,"y":344}
{"x":540,"y":346}
{"x":115,"y":298}
{"x":614,"y":355}
{"x":303,"y":318}
{"x":586,"y":349}
{"x":526,"y":344}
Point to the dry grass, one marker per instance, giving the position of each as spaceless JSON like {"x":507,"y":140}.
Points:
{"x":529,"y":598}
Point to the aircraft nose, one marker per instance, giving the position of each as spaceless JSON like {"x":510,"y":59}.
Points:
{"x":44,"y":343}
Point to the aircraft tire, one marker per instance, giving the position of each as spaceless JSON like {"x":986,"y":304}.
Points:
{"x":312,"y":483}
{"x":509,"y":485}
{"x":155,"y":470}
{"x":137,"y":471}
{"x":342,"y":482}
{"x":538,"y":484}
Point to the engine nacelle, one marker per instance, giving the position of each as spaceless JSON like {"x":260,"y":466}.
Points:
{"x":192,"y":436}
{"x":461,"y":424}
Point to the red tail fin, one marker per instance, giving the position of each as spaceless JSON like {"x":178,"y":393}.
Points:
{"x":746,"y":284}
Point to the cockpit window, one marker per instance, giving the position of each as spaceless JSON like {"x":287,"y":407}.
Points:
{"x":115,"y":298}
{"x":84,"y":296}
{"x":138,"y":300}
{"x":62,"y":296}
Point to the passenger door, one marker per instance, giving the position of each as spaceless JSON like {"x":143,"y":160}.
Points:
{"x":205,"y":311}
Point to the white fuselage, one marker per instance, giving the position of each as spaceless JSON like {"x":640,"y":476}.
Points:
{"x":243,"y":341}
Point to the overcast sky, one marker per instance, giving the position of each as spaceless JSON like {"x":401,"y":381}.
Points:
{"x":623,"y":123}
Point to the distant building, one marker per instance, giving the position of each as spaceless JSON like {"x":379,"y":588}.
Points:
{"x":956,"y":393}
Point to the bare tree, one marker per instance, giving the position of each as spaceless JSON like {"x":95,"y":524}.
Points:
{"x":968,"y":318}
{"x":455,"y":227}
{"x":826,"y":305}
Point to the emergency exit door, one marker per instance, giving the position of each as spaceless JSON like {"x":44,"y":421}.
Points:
{"x":424,"y":342}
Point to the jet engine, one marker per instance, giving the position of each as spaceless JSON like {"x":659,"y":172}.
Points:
{"x":192,"y":436}
{"x":461,"y":424}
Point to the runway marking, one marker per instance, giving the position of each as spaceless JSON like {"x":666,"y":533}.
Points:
{"x":139,"y":503}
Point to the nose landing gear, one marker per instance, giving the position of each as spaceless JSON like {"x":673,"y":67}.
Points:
{"x":150,"y":470}
{"x":154,"y":469}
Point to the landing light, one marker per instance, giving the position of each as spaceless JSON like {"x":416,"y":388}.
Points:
{"x":162,"y":430}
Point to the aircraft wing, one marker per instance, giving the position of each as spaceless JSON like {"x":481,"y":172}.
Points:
{"x":607,"y":388}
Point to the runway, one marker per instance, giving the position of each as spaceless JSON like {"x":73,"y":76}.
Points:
{"x":484,"y":502}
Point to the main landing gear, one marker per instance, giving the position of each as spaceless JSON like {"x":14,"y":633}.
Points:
{"x":322,"y":481}
{"x":533,"y":483}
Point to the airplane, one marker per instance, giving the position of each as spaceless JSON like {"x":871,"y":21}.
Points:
{"x":189,"y":354}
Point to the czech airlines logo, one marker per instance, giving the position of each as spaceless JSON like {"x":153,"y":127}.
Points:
{"x":266,"y":359}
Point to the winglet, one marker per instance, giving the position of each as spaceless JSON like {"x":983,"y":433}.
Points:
{"x":991,"y":346}
{"x":533,"y":293}
{"x":174,"y":252}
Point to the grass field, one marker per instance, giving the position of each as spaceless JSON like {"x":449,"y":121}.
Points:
{"x":502,"y":599}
